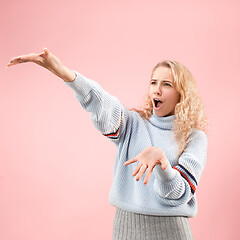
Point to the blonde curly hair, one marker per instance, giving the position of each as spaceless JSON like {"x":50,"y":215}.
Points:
{"x":189,"y":110}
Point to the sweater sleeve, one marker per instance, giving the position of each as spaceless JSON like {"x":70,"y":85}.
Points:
{"x":106,"y":112}
{"x":176,"y":185}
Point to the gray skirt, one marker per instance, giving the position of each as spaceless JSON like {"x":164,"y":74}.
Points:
{"x":130,"y":226}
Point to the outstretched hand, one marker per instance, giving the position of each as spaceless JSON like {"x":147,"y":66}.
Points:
{"x":45,"y":59}
{"x":148,"y":159}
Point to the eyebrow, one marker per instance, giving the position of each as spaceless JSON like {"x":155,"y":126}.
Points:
{"x":164,"y":80}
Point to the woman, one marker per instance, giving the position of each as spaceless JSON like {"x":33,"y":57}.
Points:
{"x":165,"y":140}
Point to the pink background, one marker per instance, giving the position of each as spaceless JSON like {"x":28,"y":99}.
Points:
{"x":56,"y":169}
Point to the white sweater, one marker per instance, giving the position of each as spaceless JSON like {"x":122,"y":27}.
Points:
{"x":169,"y":192}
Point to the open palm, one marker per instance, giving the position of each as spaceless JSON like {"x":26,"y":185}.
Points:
{"x":45,"y":59}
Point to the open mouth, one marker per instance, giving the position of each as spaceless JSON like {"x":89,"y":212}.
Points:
{"x":157,"y":103}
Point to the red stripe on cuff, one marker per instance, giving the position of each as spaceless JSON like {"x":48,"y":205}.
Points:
{"x":112,"y":134}
{"x":185,"y":176}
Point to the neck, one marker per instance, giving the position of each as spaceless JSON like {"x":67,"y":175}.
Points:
{"x":165,"y":122}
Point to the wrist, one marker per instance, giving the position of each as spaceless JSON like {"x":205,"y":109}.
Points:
{"x":68,"y":75}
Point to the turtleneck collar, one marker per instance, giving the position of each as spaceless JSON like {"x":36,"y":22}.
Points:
{"x":162,"y":122}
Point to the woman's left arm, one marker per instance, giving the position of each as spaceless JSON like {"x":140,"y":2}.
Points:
{"x":174,"y":185}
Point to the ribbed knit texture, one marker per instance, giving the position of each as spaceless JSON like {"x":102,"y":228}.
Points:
{"x":134,"y":226}
{"x":169,"y":192}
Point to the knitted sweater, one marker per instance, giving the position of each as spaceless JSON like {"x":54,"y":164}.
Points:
{"x":169,"y":192}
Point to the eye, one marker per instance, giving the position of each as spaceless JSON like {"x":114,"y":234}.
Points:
{"x":167,"y":84}
{"x":153,"y":82}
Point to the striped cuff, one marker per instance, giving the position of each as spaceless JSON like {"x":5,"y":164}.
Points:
{"x":188,"y":176}
{"x":114,"y":133}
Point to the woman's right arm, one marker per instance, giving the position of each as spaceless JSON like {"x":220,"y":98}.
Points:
{"x":107,"y":114}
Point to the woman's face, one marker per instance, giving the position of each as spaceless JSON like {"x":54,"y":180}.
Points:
{"x":163,"y":92}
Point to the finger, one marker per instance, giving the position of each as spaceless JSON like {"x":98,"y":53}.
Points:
{"x":14,"y":61}
{"x":20,"y":59}
{"x":148,"y":175}
{"x":141,"y":172}
{"x":45,"y":52}
{"x":135,"y":171}
{"x":132,"y":160}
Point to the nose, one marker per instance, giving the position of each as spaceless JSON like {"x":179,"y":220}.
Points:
{"x":158,"y":90}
